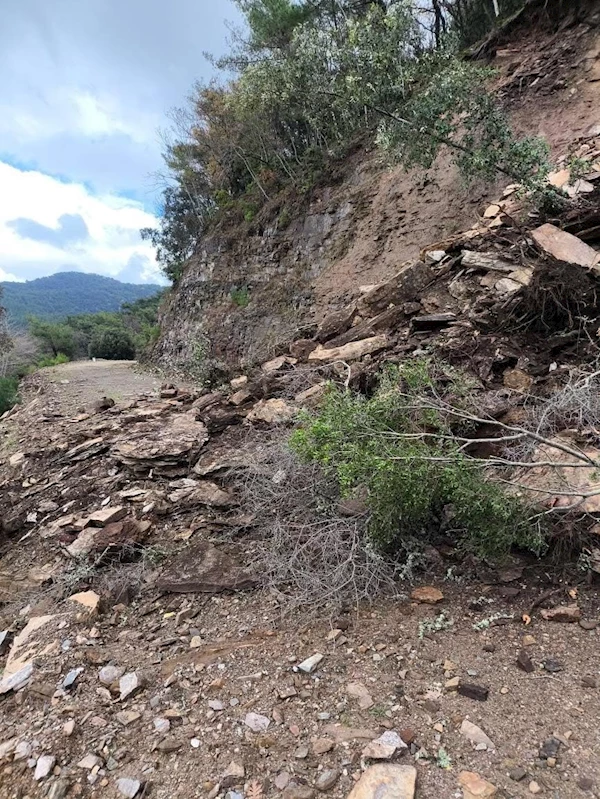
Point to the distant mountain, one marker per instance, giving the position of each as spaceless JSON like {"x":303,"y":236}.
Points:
{"x":68,"y":293}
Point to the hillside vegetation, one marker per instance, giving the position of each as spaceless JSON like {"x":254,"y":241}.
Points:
{"x":69,"y":293}
{"x":313,"y":77}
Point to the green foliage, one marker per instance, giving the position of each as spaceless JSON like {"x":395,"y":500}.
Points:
{"x":454,"y":109}
{"x":312,"y":77}
{"x":52,"y":298}
{"x":8,"y":393}
{"x":55,"y":337}
{"x":418,"y":480}
{"x":50,"y":360}
{"x":240,"y":297}
{"x":126,"y":334}
{"x":114,"y":344}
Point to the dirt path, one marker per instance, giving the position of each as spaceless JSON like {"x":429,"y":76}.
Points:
{"x":81,"y":383}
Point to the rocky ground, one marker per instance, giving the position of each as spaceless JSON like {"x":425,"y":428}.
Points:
{"x":116,"y":684}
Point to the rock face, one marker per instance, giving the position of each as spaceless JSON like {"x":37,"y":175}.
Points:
{"x":386,"y":782}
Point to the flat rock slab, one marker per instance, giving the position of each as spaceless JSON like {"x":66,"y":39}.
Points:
{"x":386,"y":782}
{"x":349,"y":352}
{"x":202,"y":568}
{"x":565,"y":247}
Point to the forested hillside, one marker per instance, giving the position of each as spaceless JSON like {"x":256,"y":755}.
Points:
{"x":67,"y":294}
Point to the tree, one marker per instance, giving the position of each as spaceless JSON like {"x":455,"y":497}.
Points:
{"x":113,"y":344}
{"x":56,"y":337}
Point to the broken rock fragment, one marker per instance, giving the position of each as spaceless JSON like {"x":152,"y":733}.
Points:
{"x":564,"y":613}
{"x":311,"y":663}
{"x":427,"y":594}
{"x":256,"y":722}
{"x":43,"y":767}
{"x":272,"y":411}
{"x":386,"y":781}
{"x":566,"y":247}
{"x":351,"y":351}
{"x":384,"y":747}
{"x":202,"y":568}
{"x":128,"y":787}
{"x":475,"y":787}
{"x":475,"y":734}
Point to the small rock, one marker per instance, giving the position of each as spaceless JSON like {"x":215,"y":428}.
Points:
{"x":552,"y":666}
{"x":110,"y":674}
{"x":59,"y":790}
{"x":534,"y":787}
{"x":489,"y":648}
{"x":69,"y":728}
{"x":161,"y":725}
{"x":216,"y":705}
{"x":281,"y":781}
{"x":452,"y":684}
{"x":322,"y":745}
{"x":233,"y":775}
{"x":384,"y":747}
{"x":427,"y":594}
{"x":475,"y":787}
{"x":295,"y":790}
{"x":585,"y":784}
{"x":89,"y":762}
{"x":89,"y":599}
{"x":567,"y":614}
{"x":43,"y":767}
{"x":524,"y":662}
{"x":358,"y":691}
{"x":549,"y":748}
{"x":475,"y":734}
{"x":473,"y":691}
{"x":588,"y":624}
{"x":169,"y":745}
{"x":311,"y":663}
{"x":23,"y":750}
{"x":71,"y":678}
{"x":589,"y":682}
{"x":256,"y":722}
{"x":327,"y":779}
{"x":528,"y":640}
{"x":127,"y":717}
{"x":517,"y":774}
{"x":301,"y":753}
{"x":130,"y":684}
{"x":386,"y":781}
{"x":128,"y":787}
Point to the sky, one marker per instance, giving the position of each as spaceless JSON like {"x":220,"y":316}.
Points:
{"x":85,"y":90}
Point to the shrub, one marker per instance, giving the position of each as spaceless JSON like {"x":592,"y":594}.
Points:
{"x":8,"y":393}
{"x":114,"y":345}
{"x":417,"y":481}
{"x":240,"y":297}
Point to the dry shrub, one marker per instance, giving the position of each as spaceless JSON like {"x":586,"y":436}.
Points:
{"x":309,"y":555}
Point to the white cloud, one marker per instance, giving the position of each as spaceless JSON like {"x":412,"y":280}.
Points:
{"x":113,"y":223}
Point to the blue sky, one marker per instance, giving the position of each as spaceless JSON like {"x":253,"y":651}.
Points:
{"x":85,"y":89}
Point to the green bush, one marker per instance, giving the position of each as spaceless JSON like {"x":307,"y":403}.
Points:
{"x":8,"y":393}
{"x":113,"y":345}
{"x":240,"y":297}
{"x":55,"y":360}
{"x":417,"y":481}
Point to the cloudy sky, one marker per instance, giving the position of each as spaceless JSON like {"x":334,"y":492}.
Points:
{"x":85,"y":87}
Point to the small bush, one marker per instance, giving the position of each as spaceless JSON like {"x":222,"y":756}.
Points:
{"x":42,"y":363}
{"x":114,"y":345}
{"x":417,"y":481}
{"x":240,"y":297}
{"x":8,"y":393}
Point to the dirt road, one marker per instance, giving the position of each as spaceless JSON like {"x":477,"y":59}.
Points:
{"x":81,"y":383}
